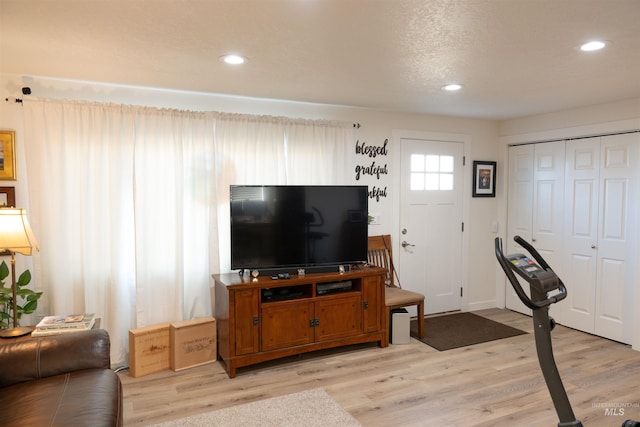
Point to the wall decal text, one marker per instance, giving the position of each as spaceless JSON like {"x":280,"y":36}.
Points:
{"x":374,"y":169}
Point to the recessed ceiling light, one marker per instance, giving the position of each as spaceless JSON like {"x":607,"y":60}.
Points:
{"x":233,"y":59}
{"x":593,"y":45}
{"x":452,"y":87}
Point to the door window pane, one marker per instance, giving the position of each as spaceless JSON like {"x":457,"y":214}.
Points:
{"x":417,"y":163}
{"x":433,"y":163}
{"x":446,"y":163}
{"x":432,"y":181}
{"x":417,"y":181}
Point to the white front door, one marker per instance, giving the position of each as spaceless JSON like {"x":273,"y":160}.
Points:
{"x":430,"y":235}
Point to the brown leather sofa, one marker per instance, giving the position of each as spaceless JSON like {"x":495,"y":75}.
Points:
{"x":62,"y":380}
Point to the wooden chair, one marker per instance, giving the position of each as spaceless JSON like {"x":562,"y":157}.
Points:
{"x":379,"y":254}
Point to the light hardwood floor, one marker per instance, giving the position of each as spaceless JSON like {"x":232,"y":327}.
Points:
{"x":492,"y":384}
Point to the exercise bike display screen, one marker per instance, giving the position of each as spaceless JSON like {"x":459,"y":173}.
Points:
{"x":538,"y":277}
{"x":524,"y":263}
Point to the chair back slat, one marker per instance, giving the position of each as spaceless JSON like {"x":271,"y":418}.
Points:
{"x":379,"y":254}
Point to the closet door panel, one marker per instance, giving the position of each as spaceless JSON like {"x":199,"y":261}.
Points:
{"x":610,"y":298}
{"x":520,"y":193}
{"x":548,"y":200}
{"x":579,"y":270}
{"x":617,"y":236}
{"x":520,"y":213}
{"x":581,"y":233}
{"x":535,"y":203}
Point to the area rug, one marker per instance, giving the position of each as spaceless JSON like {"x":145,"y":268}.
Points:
{"x":310,"y":408}
{"x":457,"y":330}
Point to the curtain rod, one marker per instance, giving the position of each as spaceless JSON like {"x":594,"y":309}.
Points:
{"x":19,"y":101}
{"x":27,"y":91}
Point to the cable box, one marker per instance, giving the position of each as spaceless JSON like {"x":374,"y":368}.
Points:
{"x":281,"y":294}
{"x":332,"y":287}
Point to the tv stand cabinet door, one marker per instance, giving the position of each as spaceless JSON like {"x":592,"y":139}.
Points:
{"x":373,"y":303}
{"x":246,"y":331}
{"x":338,"y":317}
{"x":286,"y":325}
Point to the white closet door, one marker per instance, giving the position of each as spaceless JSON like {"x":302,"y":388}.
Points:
{"x":617,"y":236}
{"x":536,"y":194}
{"x":520,"y":212}
{"x":581,"y":230}
{"x":600,"y":235}
{"x":548,"y":201}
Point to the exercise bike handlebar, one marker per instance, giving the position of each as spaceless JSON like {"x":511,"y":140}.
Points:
{"x":536,"y":255}
{"x":506,"y":266}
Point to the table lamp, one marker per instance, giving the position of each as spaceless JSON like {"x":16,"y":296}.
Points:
{"x":15,"y":236}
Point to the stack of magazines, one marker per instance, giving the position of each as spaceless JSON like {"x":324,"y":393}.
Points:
{"x":55,"y":325}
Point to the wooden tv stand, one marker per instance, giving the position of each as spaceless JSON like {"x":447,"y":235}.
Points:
{"x":263,"y":319}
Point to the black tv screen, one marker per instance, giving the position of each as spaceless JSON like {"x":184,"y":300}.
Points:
{"x":289,"y":227}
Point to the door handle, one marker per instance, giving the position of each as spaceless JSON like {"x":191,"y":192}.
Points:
{"x":405,"y":244}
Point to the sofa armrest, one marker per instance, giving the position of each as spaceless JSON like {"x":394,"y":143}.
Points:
{"x":40,"y":357}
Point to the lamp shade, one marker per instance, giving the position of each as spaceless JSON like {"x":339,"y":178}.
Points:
{"x":15,"y":232}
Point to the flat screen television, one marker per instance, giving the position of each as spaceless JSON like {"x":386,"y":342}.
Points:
{"x":285,"y":227}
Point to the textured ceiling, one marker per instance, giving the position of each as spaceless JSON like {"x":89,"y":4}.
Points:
{"x":514,"y":57}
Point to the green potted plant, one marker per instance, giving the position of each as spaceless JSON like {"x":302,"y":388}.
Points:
{"x":27,"y":298}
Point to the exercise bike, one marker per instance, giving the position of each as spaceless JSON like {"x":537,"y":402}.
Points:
{"x":546,"y":288}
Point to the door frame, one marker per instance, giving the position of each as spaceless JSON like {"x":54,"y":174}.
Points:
{"x":397,"y":136}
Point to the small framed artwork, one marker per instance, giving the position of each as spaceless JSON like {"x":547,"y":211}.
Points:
{"x":484,"y":179}
{"x":7,"y":155}
{"x":7,"y":197}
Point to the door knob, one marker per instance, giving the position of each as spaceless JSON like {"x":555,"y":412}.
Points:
{"x":405,"y":244}
{"x":593,"y":246}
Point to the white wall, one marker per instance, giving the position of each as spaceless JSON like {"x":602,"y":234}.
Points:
{"x":484,"y":285}
{"x":584,"y":120}
{"x":376,"y":127}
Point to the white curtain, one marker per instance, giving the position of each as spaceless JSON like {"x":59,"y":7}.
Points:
{"x":319,"y":152}
{"x":277,"y":151}
{"x":130,"y":204}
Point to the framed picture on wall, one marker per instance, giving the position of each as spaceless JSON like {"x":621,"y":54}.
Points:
{"x":484,"y":179}
{"x":7,"y":155}
{"x":7,"y":197}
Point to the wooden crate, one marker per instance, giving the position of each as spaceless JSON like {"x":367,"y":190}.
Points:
{"x":193,"y":343}
{"x":149,"y":349}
